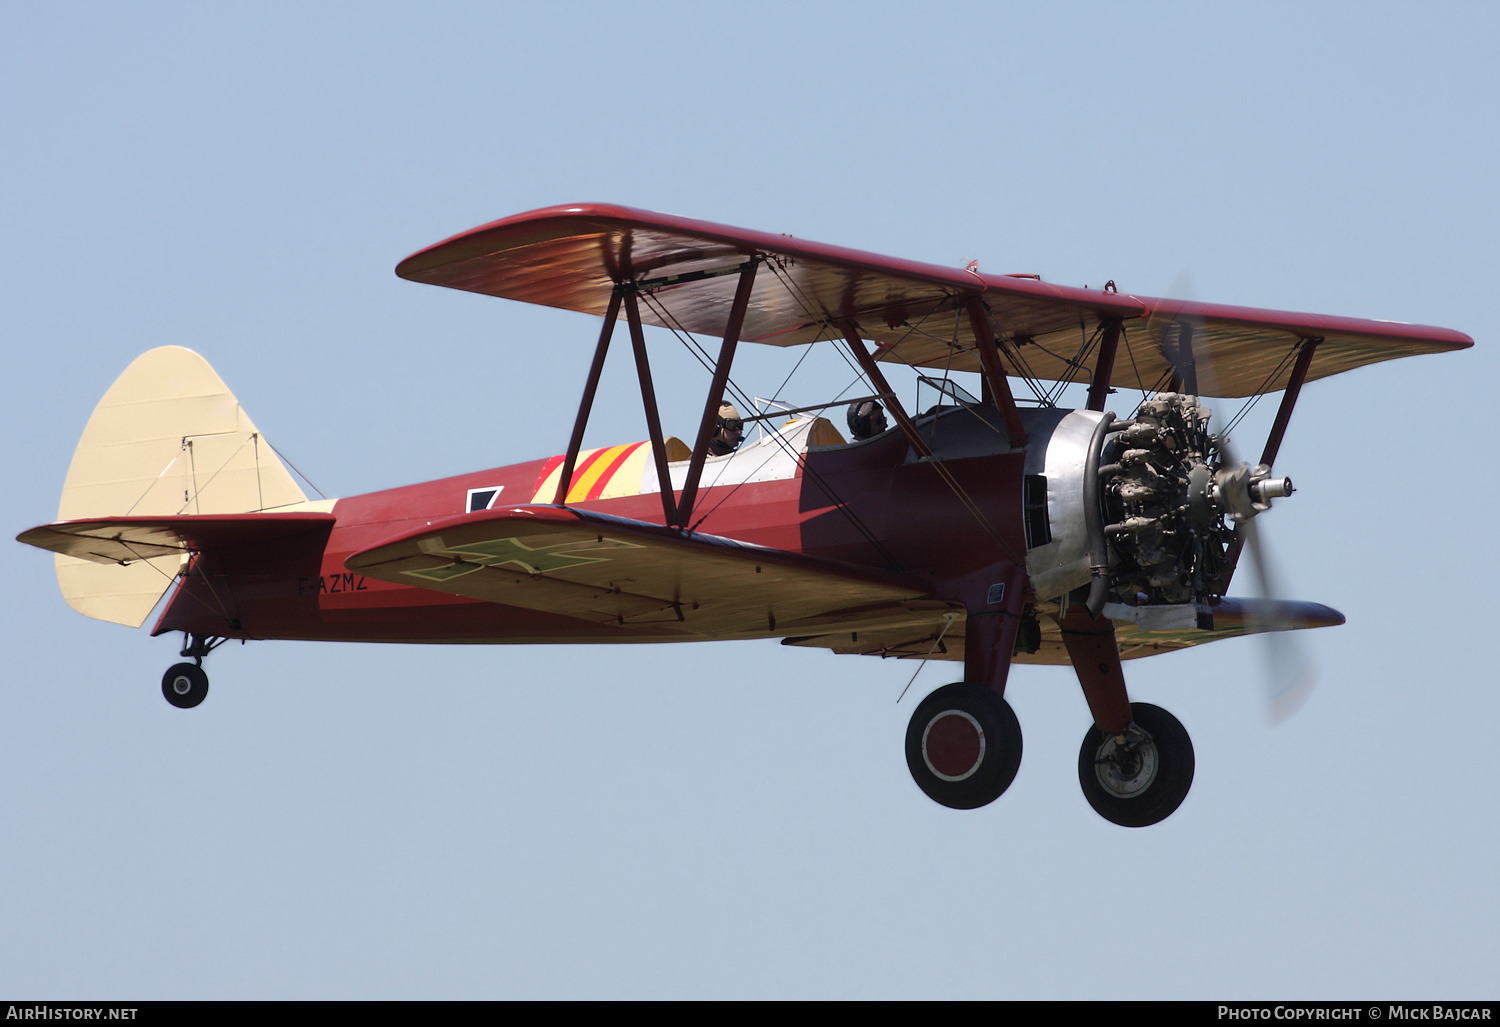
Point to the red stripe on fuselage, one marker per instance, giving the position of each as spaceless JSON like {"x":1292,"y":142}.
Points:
{"x":598,"y":487}
{"x":583,"y":465}
{"x":547,"y":468}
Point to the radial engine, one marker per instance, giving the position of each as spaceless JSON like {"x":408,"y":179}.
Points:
{"x":1142,"y":511}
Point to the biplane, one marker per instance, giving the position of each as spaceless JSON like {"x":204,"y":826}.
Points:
{"x":983,"y":530}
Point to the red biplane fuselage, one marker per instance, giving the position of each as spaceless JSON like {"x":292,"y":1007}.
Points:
{"x":273,"y":589}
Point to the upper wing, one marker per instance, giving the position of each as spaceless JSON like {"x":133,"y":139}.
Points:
{"x":620,"y":572}
{"x":571,"y":257}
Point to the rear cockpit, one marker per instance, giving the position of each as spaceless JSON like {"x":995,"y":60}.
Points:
{"x":773,"y":454}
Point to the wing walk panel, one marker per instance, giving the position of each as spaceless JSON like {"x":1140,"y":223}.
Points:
{"x":571,"y":257}
{"x":610,"y":570}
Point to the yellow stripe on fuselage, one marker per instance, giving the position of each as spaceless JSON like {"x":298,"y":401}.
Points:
{"x":547,"y":490}
{"x":578,"y":490}
{"x":623,"y":480}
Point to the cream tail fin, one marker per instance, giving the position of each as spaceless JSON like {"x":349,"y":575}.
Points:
{"x":168,"y":438}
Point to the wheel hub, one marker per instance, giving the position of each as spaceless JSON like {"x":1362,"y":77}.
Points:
{"x":953,"y":745}
{"x":181,"y":685}
{"x":1126,"y":766}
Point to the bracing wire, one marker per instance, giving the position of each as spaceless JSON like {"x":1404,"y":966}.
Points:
{"x":814,"y":317}
{"x":1263,"y":389}
{"x":678,"y":330}
{"x":294,"y":467}
{"x":197,"y":490}
{"x":948,"y":619}
{"x":936,"y":462}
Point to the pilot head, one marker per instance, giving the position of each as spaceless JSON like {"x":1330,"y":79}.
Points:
{"x":866,"y":419}
{"x":728,"y":431}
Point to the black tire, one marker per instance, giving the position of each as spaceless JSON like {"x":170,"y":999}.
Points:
{"x":1145,"y":787}
{"x":963,"y":746}
{"x":185,"y":685}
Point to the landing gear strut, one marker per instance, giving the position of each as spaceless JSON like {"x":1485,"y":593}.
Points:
{"x":963,"y":746}
{"x":1138,"y":776}
{"x":185,"y":685}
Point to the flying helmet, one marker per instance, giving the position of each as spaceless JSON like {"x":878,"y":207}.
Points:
{"x":728,"y":430}
{"x":866,"y":419}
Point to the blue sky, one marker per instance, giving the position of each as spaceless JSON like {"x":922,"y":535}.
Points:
{"x":736,"y":820}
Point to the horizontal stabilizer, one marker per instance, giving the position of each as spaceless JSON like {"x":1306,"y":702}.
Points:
{"x":610,"y":570}
{"x":125,"y":540}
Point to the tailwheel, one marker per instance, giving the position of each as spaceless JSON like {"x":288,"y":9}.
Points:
{"x":963,"y":746}
{"x":1138,"y":777}
{"x":185,"y":685}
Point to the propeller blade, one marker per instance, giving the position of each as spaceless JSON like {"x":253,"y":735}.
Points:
{"x":1176,"y":336}
{"x":1289,"y":672}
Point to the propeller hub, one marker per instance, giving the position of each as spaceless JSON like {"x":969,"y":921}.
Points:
{"x":1273,"y":488}
{"x":1242,"y":491}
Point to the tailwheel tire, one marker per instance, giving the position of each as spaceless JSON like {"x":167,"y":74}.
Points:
{"x":185,"y":685}
{"x":1143,"y":781}
{"x":963,"y":746}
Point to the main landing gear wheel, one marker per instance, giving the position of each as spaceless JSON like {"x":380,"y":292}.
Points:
{"x":963,"y":746}
{"x":185,"y":685}
{"x":1140,"y":781}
